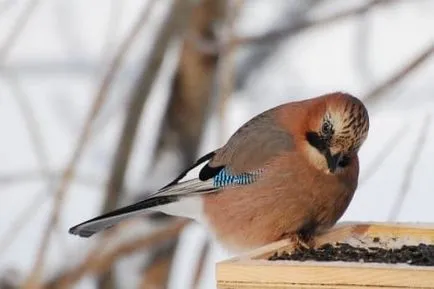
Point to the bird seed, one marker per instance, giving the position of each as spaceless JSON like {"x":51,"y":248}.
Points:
{"x":419,"y":255}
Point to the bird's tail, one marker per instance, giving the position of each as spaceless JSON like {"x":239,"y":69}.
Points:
{"x":164,"y":196}
{"x":105,"y":221}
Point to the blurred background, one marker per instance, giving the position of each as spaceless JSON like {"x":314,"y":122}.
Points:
{"x":104,"y":101}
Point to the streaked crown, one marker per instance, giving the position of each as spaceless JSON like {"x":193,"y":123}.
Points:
{"x":338,"y":125}
{"x":348,"y":119}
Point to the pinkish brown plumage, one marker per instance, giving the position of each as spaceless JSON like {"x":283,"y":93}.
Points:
{"x":290,"y":171}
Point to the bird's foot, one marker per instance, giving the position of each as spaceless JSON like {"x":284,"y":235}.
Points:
{"x":301,"y":243}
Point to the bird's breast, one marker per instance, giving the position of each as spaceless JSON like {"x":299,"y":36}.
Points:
{"x":288,"y":195}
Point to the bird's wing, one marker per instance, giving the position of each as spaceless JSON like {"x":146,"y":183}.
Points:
{"x":254,"y":144}
{"x":168,"y":194}
{"x":239,"y":162}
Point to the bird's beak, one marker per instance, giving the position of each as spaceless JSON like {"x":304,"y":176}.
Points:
{"x":332,"y":160}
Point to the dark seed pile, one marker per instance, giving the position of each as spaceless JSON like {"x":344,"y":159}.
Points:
{"x":421,"y":255}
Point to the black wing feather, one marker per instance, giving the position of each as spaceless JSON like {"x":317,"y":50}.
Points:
{"x":208,"y":172}
{"x":152,"y":202}
{"x":105,"y":221}
{"x":206,"y":157}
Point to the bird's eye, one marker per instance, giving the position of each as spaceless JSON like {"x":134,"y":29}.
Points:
{"x":345,"y":161}
{"x":326,"y":128}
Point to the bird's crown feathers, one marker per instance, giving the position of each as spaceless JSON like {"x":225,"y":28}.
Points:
{"x":337,"y":126}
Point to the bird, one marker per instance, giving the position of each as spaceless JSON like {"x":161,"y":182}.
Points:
{"x":289,"y":172}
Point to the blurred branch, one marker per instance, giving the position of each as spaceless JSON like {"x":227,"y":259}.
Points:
{"x":227,"y":62}
{"x":18,"y":28}
{"x":156,"y":273}
{"x":415,"y":63}
{"x":385,"y":151}
{"x":18,"y":223}
{"x":362,"y":39}
{"x":69,"y":172}
{"x":281,"y":34}
{"x":257,"y":55}
{"x":38,"y":200}
{"x":136,"y":104}
{"x":32,"y":124}
{"x":115,"y":11}
{"x":191,"y":88}
{"x":68,"y":175}
{"x":203,"y":257}
{"x":37,"y":175}
{"x":100,"y":263}
{"x":174,"y":22}
{"x":124,"y":47}
{"x":188,"y":106}
{"x":409,"y":170}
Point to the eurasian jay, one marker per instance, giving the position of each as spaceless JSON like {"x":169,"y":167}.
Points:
{"x":289,"y":172}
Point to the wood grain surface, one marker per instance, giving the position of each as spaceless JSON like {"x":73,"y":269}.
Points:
{"x":253,"y":270}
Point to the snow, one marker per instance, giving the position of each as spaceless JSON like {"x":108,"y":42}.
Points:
{"x":61,"y":55}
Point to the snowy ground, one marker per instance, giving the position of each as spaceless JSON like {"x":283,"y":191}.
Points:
{"x":58,"y":61}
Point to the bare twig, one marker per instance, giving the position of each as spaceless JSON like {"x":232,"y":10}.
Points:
{"x":113,"y":23}
{"x":36,"y":175}
{"x":400,"y":75}
{"x":39,"y":199}
{"x":386,"y":150}
{"x":19,"y":26}
{"x":70,"y":170}
{"x":99,"y":263}
{"x":67,"y":176}
{"x":157,"y":270}
{"x":361,"y":51}
{"x":32,"y":124}
{"x":191,"y":88}
{"x":124,"y":47}
{"x":174,"y":21}
{"x":409,"y":170}
{"x":282,"y":33}
{"x":200,"y":265}
{"x":227,"y":69}
{"x":23,"y":219}
{"x":191,"y":92}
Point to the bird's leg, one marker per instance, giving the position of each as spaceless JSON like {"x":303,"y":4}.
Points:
{"x":301,"y":242}
{"x":304,"y":236}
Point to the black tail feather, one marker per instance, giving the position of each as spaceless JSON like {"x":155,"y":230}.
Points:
{"x":105,"y":221}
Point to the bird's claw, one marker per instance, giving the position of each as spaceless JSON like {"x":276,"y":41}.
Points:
{"x":302,"y":244}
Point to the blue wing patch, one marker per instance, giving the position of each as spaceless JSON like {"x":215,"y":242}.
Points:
{"x":224,"y":178}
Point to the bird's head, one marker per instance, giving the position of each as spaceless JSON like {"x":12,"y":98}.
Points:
{"x":338,"y":125}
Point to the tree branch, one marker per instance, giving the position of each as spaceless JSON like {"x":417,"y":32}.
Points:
{"x":386,"y":150}
{"x":97,"y":264}
{"x":19,"y":26}
{"x":227,"y":65}
{"x":409,"y":170}
{"x":281,"y":34}
{"x":174,"y":21}
{"x":414,"y":64}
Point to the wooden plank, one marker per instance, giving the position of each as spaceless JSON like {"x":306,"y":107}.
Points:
{"x":310,"y":273}
{"x":253,"y":270}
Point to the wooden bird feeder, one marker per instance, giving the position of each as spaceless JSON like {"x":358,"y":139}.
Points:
{"x":255,"y":270}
